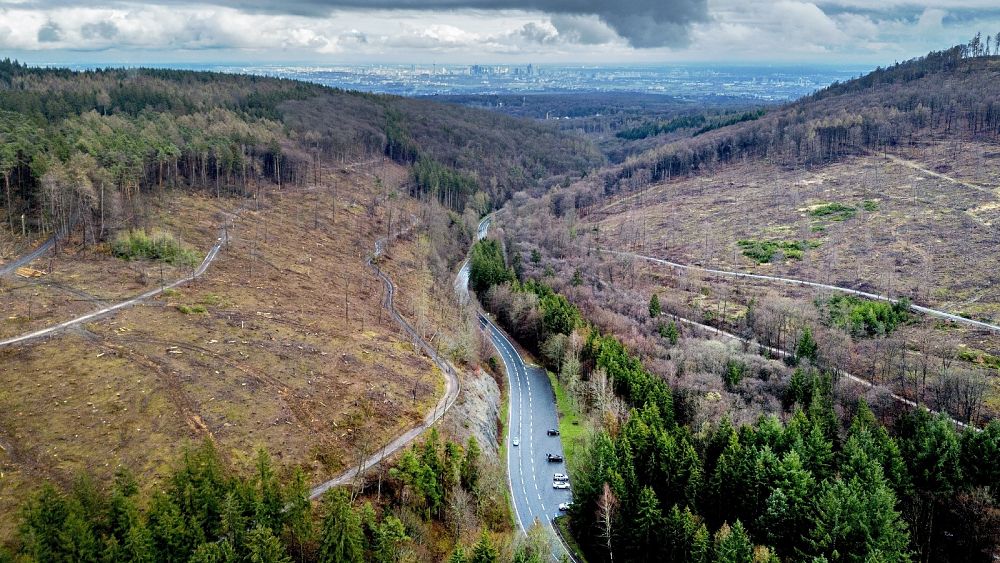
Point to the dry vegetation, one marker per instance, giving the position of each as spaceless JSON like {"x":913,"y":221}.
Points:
{"x":917,"y":227}
{"x":258,"y":352}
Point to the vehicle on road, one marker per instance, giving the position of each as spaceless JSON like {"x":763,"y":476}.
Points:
{"x":560,"y":477}
{"x":553,"y":457}
{"x":516,"y":441}
{"x":552,"y":432}
{"x":560,"y":485}
{"x":564,"y":506}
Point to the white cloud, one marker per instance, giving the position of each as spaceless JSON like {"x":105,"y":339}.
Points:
{"x":816,"y":30}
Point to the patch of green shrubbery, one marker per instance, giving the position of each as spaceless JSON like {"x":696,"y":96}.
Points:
{"x":834,"y":211}
{"x":765,"y":251}
{"x":160,"y":246}
{"x":862,"y":317}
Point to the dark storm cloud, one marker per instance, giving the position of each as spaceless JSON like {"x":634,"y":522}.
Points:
{"x":49,"y":33}
{"x":643,"y":23}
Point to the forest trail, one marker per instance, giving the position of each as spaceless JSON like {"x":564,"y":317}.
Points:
{"x":452,"y":384}
{"x":13,"y":265}
{"x":918,"y":308}
{"x":915,"y":166}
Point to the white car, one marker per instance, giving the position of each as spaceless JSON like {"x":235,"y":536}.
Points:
{"x":516,"y":441}
{"x":564,"y":506}
{"x":560,"y":477}
{"x":560,"y":485}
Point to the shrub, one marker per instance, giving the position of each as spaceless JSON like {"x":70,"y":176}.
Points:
{"x":735,"y":371}
{"x":764,"y":251}
{"x":192,"y":309}
{"x":862,"y":317}
{"x":163,"y":247}
{"x":834,"y":211}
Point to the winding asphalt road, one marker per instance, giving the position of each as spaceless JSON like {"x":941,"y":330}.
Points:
{"x":920,"y":309}
{"x":532,"y":414}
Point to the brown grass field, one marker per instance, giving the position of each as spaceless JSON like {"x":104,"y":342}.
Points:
{"x":929,"y":230}
{"x":259,"y":352}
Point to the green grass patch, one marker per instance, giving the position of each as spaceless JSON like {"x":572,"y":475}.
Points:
{"x":870,"y":205}
{"x":818,"y":228}
{"x":211,"y":300}
{"x":571,"y":425}
{"x":863,"y":317}
{"x":192,"y":309}
{"x":160,"y":246}
{"x":765,"y":251}
{"x":833,"y":211}
{"x":974,"y":356}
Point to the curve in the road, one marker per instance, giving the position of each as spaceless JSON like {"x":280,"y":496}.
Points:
{"x":531,"y":497}
{"x":792,"y":281}
{"x":527,"y":402}
{"x":209,"y":258}
{"x":12,"y":266}
{"x":452,"y":385}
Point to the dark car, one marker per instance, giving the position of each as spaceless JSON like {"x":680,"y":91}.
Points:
{"x":553,"y":457}
{"x":552,"y":432}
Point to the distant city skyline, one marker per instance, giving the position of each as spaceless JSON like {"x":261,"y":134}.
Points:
{"x":487,"y":31}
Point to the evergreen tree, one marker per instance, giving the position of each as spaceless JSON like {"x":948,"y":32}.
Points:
{"x":732,"y":544}
{"x":649,"y":522}
{"x":214,"y":552}
{"x":268,"y":502}
{"x":855,"y":521}
{"x":264,"y":547}
{"x":654,"y":306}
{"x":168,"y":530}
{"x":807,"y":347}
{"x":390,"y":538}
{"x":470,"y":465}
{"x":342,"y":538}
{"x":298,"y":516}
{"x":484,"y":551}
{"x":42,"y":520}
{"x":458,"y":556}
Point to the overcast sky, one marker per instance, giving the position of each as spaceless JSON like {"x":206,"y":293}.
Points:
{"x":467,"y":31}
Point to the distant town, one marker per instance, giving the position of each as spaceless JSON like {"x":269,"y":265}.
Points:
{"x":765,"y":83}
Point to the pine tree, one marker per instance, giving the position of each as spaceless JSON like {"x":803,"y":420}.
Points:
{"x":214,"y":552}
{"x":654,"y":306}
{"x":807,"y":347}
{"x":298,"y":516}
{"x":470,"y":466}
{"x":701,"y":546}
{"x":168,"y":530}
{"x":342,"y":538}
{"x":732,"y":544}
{"x":264,"y":547}
{"x":390,"y":537}
{"x":268,"y":503}
{"x":458,"y":556}
{"x":649,"y":523}
{"x":42,"y":519}
{"x":484,"y":551}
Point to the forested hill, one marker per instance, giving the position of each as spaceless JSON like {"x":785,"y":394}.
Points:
{"x":83,"y":145}
{"x":949,"y":93}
